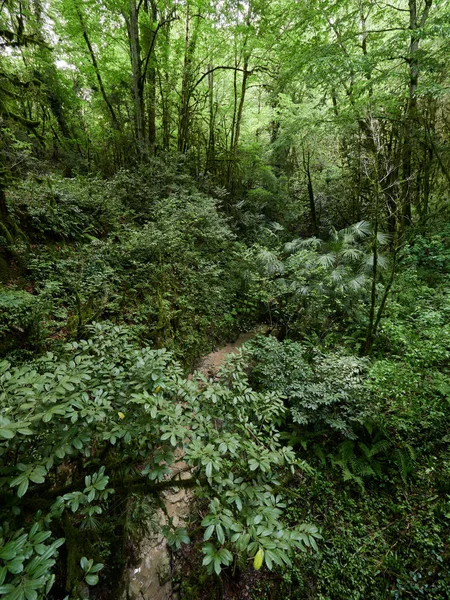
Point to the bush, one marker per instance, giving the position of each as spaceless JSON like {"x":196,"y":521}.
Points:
{"x":21,"y":315}
{"x":109,"y":418}
{"x":322,"y":391}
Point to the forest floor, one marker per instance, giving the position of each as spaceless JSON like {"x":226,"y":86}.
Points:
{"x":210,"y":364}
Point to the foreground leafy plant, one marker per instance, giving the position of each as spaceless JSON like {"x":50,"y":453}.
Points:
{"x":110,"y":418}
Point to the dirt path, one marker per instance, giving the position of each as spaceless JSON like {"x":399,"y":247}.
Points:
{"x":211,"y":363}
{"x":151,"y":578}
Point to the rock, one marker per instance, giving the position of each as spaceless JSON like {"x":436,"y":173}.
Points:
{"x":150,"y":579}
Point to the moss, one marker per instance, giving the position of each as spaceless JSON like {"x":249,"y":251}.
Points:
{"x":5,"y":270}
{"x":77,"y":545}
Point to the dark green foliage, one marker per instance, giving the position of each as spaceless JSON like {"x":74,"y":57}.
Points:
{"x":386,"y":543}
{"x":157,"y":255}
{"x":383,"y":497}
{"x":21,"y":319}
{"x":173,"y":173}
{"x":64,"y":210}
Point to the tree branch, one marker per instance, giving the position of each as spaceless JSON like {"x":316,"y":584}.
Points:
{"x":216,"y":69}
{"x":150,"y":49}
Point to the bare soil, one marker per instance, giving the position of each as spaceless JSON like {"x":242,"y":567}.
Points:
{"x":210,"y":364}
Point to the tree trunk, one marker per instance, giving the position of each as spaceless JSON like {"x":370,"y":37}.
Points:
{"x":211,"y":151}
{"x":132,"y":22}
{"x":164,"y":85}
{"x":150,"y":75}
{"x":184,"y":112}
{"x":312,"y":200}
{"x":416,"y":24}
{"x":115,"y":122}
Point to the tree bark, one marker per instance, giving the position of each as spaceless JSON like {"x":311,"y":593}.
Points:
{"x":416,"y":24}
{"x":132,"y":22}
{"x":312,"y":200}
{"x":211,"y":151}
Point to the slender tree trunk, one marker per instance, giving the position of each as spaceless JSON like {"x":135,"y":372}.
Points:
{"x":370,"y":336}
{"x":164,"y":86}
{"x":132,"y":22}
{"x":211,"y":151}
{"x":238,"y":122}
{"x":151,"y":78}
{"x":190,"y":43}
{"x":416,"y":25}
{"x":233,"y":126}
{"x":312,"y":200}
{"x":245,"y":76}
{"x":115,"y":122}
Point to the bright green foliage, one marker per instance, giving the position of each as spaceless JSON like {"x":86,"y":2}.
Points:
{"x":27,"y":562}
{"x":173,"y":173}
{"x":319,"y":284}
{"x":109,"y":419}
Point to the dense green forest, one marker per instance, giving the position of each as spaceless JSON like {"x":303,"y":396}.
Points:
{"x":175,"y":173}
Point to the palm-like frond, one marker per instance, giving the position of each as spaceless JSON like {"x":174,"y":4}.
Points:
{"x":312,"y":242}
{"x":357,"y":283}
{"x":351,"y":254}
{"x":301,"y":289}
{"x":361,"y":230}
{"x":347,"y":239}
{"x":269,"y":263}
{"x":274,"y":226}
{"x":298,"y":243}
{"x":337,"y":275}
{"x":327,"y":260}
{"x":367,"y":262}
{"x":334,"y":234}
{"x":384,"y":238}
{"x":292,"y":246}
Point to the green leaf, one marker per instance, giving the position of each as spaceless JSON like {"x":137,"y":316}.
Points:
{"x":23,"y":487}
{"x":258,"y":560}
{"x":91,"y":579}
{"x":7,"y":434}
{"x":208,"y":532}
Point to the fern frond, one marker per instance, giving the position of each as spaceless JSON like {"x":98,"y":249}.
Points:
{"x":269,"y":263}
{"x":327,"y":260}
{"x":361,"y":230}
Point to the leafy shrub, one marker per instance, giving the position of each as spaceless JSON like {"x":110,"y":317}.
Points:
{"x":140,"y":188}
{"x":168,"y":262}
{"x":386,"y":543}
{"x":108,"y":418}
{"x":321,"y":391}
{"x":20,"y":319}
{"x":64,"y":209}
{"x":431,"y":254}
